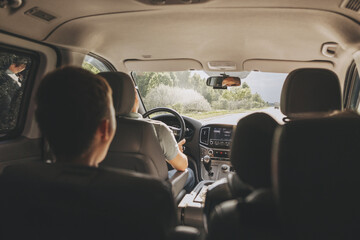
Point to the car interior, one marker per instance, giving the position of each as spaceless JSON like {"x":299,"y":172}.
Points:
{"x":265,"y":93}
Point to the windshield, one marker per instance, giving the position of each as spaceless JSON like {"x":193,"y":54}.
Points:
{"x":187,"y":93}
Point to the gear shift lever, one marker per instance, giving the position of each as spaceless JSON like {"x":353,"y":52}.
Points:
{"x":207,"y":165}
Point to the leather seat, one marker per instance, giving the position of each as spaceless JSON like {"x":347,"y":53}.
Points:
{"x":135,"y":145}
{"x":250,"y":157}
{"x":316,"y":176}
{"x":254,"y":217}
{"x":62,"y":201}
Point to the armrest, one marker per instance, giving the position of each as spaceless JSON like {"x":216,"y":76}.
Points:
{"x":185,"y":233}
{"x":178,"y":181}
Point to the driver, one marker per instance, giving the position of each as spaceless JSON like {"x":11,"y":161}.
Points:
{"x":172,"y":150}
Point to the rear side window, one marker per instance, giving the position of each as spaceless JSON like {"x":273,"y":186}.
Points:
{"x":96,"y":64}
{"x":15,"y":72}
{"x":352,"y":89}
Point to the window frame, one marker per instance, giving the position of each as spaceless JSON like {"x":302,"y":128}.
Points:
{"x":27,"y":92}
{"x":104,"y":61}
{"x":142,"y":107}
{"x":352,"y":88}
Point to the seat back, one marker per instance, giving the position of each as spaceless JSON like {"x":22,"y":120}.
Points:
{"x":251,"y":149}
{"x":316,"y":176}
{"x":254,"y":217}
{"x":251,"y":158}
{"x":74,"y":202}
{"x":135,"y":145}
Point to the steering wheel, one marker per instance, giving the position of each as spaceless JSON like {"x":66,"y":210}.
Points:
{"x":179,"y":133}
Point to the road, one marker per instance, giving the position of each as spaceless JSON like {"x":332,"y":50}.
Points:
{"x":234,"y":118}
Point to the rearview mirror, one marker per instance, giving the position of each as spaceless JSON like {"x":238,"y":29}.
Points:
{"x":222,"y":82}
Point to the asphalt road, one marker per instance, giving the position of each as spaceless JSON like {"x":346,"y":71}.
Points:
{"x":234,"y":118}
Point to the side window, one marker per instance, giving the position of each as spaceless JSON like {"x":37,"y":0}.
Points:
{"x":354,"y":103}
{"x":96,"y":64}
{"x":15,"y":68}
{"x":352,"y":89}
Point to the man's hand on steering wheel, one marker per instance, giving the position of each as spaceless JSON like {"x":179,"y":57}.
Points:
{"x":178,"y":133}
{"x":180,"y":144}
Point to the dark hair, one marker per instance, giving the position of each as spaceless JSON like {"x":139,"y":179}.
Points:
{"x":19,"y":60}
{"x":6,"y":59}
{"x":71,"y":103}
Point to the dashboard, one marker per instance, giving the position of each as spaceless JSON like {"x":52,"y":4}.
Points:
{"x":215,"y":144}
{"x":211,"y":140}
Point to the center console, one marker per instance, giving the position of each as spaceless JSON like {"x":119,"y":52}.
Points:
{"x":215,"y":143}
{"x":190,"y":209}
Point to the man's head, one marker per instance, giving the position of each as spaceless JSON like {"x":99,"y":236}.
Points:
{"x":76,"y":115}
{"x":18,"y":64}
{"x":13,"y":62}
{"x":17,"y":68}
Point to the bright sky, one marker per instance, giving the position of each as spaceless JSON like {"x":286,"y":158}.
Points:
{"x":268,"y":85}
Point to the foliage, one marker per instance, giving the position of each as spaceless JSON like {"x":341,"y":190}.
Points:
{"x":180,"y":99}
{"x":90,"y":67}
{"x":188,"y":93}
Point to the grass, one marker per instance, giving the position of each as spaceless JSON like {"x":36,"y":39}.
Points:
{"x":210,"y":114}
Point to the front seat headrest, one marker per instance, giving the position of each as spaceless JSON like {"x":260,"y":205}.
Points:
{"x":251,"y":149}
{"x":123,"y":91}
{"x":309,"y":90}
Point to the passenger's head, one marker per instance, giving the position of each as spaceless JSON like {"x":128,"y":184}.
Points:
{"x":13,"y":62}
{"x":18,"y":64}
{"x":75,"y":114}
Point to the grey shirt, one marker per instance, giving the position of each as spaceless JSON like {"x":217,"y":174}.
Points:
{"x":163,"y":133}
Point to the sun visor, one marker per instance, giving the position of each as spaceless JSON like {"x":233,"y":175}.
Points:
{"x":163,"y":65}
{"x":280,"y":66}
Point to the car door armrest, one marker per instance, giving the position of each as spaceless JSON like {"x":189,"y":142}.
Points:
{"x":178,"y":181}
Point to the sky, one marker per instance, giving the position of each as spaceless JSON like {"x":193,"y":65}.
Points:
{"x":268,"y":85}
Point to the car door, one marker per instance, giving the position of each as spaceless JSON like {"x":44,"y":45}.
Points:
{"x":22,"y":63}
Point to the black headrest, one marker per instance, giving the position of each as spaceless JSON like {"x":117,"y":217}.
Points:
{"x":316,"y":176}
{"x":309,"y":90}
{"x":251,"y":149}
{"x":123,"y":89}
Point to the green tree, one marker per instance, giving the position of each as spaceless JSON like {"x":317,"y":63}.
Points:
{"x":245,"y":85}
{"x":149,"y":80}
{"x":90,"y":67}
{"x":183,"y":79}
{"x":181,"y":99}
{"x":142,"y":81}
{"x":160,"y":78}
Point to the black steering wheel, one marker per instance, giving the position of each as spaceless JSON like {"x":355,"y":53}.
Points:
{"x":179,"y":133}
